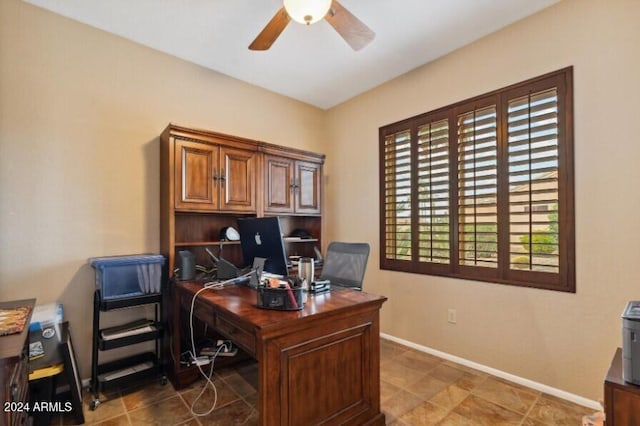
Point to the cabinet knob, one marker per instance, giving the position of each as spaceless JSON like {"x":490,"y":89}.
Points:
{"x":215,"y":175}
{"x":222,"y":176}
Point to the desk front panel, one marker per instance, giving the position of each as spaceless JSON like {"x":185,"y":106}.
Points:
{"x":326,"y":374}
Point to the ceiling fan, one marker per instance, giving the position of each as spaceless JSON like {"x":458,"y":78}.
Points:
{"x":350,"y":28}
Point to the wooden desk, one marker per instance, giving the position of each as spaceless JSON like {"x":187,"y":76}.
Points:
{"x":317,"y":365}
{"x":14,"y":370}
{"x":621,"y":399}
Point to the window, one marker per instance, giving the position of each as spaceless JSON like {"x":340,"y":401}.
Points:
{"x":483,"y":189}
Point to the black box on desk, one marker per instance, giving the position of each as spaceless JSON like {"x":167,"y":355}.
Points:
{"x":282,"y":299}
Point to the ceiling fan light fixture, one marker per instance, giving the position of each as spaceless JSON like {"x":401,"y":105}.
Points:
{"x":307,"y":11}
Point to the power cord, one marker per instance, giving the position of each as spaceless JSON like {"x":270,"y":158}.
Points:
{"x":204,"y":388}
{"x":207,"y":286}
{"x":240,"y":279}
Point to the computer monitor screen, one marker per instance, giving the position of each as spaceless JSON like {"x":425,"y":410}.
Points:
{"x":262,"y":237}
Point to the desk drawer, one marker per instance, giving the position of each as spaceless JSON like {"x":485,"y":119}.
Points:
{"x":201,"y":310}
{"x":240,"y":336}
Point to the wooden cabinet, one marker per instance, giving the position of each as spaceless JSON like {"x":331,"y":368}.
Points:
{"x":291,"y":186}
{"x":621,"y":399}
{"x":213,"y":177}
{"x":210,"y":180}
{"x":14,"y":370}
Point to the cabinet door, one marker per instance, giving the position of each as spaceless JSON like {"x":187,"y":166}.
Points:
{"x":238,"y":180}
{"x":308,"y":177}
{"x":626,"y":408}
{"x":196,"y":176}
{"x":278,"y":184}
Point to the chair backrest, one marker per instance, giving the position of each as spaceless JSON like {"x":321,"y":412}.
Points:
{"x":345,"y":263}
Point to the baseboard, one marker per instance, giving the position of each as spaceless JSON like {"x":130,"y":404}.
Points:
{"x":576,"y":399}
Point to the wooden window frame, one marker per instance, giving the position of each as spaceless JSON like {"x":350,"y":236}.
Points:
{"x":564,"y":280}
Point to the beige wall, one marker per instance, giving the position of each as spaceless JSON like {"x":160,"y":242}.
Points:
{"x":81,"y":110}
{"x":561,"y":340}
{"x":80,"y":115}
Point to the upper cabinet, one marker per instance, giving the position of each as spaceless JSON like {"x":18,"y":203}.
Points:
{"x":212,"y":177}
{"x":291,"y":186}
{"x":210,"y":180}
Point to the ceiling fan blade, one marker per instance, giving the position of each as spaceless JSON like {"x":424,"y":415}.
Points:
{"x":352,"y":30}
{"x":271,"y":32}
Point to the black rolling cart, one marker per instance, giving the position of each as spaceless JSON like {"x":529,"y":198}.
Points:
{"x":126,"y":282}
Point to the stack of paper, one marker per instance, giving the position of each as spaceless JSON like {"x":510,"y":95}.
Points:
{"x":129,"y":329}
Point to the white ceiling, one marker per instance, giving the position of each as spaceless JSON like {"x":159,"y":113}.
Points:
{"x":309,"y":63}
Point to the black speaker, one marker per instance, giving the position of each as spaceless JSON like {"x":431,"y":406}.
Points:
{"x":187,"y":266}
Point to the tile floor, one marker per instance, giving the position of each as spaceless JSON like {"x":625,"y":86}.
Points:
{"x":416,"y":389}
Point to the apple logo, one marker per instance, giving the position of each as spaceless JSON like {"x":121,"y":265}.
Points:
{"x":258,"y":240}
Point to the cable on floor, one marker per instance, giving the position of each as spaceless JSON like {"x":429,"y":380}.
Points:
{"x":212,"y":286}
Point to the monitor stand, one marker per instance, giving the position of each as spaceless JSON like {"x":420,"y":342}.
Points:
{"x":256,"y":271}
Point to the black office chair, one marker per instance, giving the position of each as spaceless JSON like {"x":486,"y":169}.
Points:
{"x":345,"y":263}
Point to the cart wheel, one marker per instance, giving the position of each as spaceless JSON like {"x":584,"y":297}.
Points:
{"x":163,"y":380}
{"x":94,"y":404}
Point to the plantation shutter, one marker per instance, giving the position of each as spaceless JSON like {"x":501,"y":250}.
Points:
{"x":478,"y":188}
{"x":433,"y":192}
{"x":533,"y":134}
{"x":397,"y":196}
{"x":484,"y":189}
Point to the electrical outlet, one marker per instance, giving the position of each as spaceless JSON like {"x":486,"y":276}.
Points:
{"x":451,"y":316}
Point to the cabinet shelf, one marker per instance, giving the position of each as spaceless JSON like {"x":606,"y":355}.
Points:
{"x":299,"y":240}
{"x":235,"y":243}
{"x":206,"y":243}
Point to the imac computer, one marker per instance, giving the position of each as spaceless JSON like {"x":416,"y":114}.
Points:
{"x":262,"y":238}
